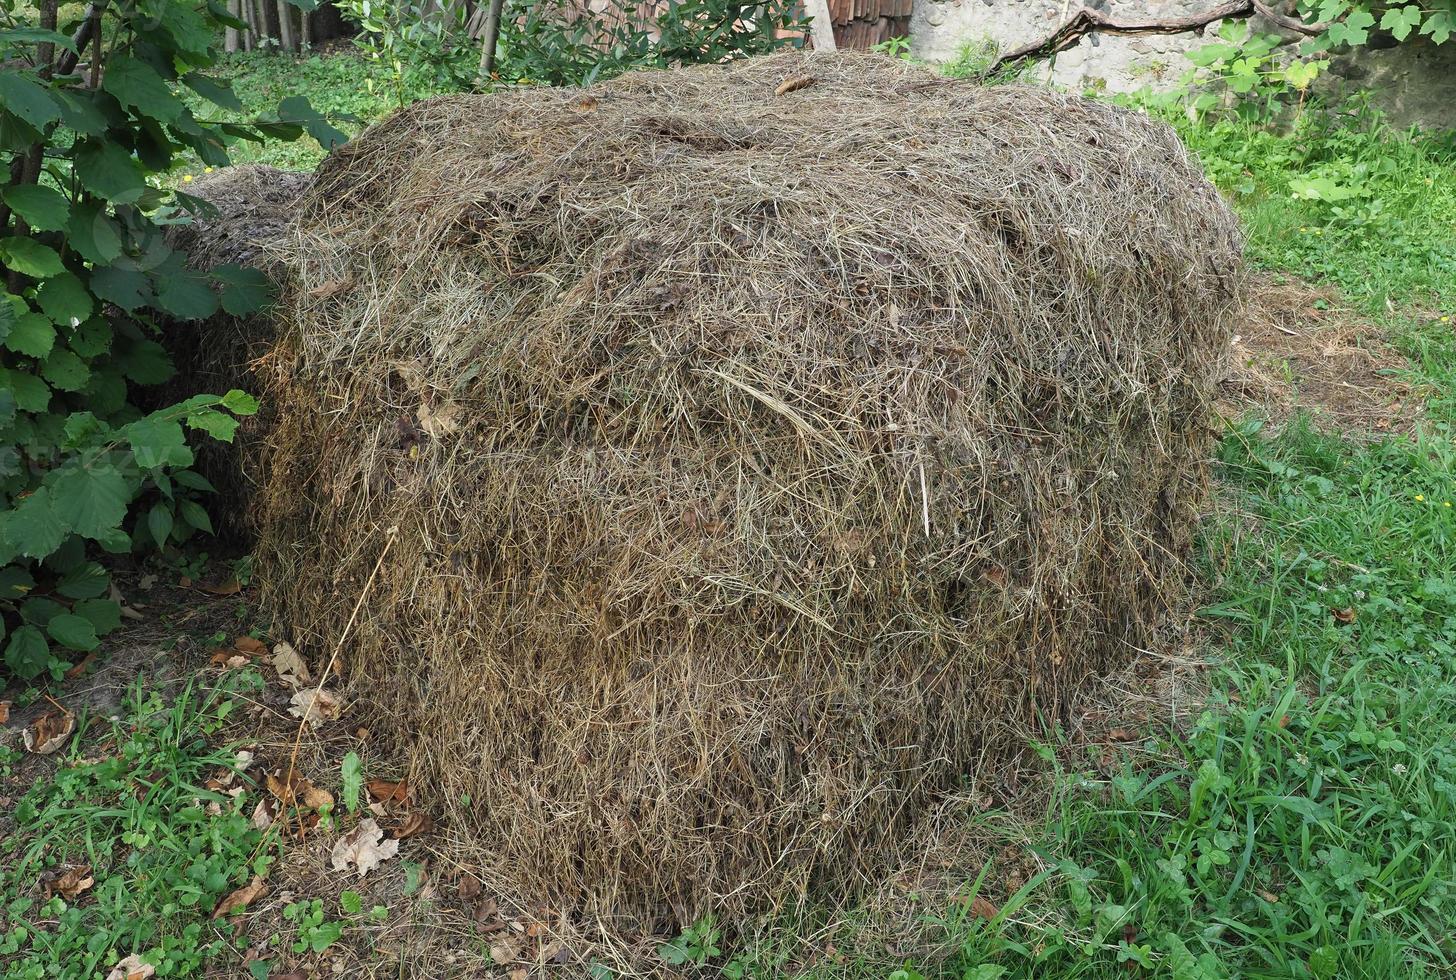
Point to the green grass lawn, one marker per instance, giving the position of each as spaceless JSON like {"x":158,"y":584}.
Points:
{"x":1303,"y":825}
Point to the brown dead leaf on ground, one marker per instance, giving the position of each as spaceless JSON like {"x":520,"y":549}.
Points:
{"x":468,"y":887}
{"x":296,"y":789}
{"x":69,"y":884}
{"x":81,"y":666}
{"x":246,"y":895}
{"x":438,"y":422}
{"x":291,"y":668}
{"x":388,"y":790}
{"x":981,"y":907}
{"x":315,"y":706}
{"x":416,"y":822}
{"x":332,"y":288}
{"x":49,"y":732}
{"x":363,"y":848}
{"x":131,"y":968}
{"x":264,"y":814}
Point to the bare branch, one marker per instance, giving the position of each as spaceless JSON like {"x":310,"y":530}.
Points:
{"x":1088,"y":21}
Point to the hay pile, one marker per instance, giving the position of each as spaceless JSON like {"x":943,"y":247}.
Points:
{"x":757,"y":465}
{"x":254,"y":205}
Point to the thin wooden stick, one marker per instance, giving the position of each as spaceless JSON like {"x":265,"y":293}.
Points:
{"x":311,"y":707}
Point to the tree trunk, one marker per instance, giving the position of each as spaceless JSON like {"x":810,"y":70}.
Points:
{"x":487,"y":44}
{"x":230,"y":39}
{"x":305,"y":30}
{"x":268,"y":19}
{"x":285,"y":26}
{"x":250,"y":33}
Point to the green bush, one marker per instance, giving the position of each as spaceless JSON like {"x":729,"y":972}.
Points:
{"x":83,"y":470}
{"x":556,"y":42}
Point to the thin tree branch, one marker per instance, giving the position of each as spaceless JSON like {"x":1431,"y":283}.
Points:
{"x":1088,"y":21}
{"x":90,"y":27}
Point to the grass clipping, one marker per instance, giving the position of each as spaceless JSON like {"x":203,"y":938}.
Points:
{"x":759,"y":464}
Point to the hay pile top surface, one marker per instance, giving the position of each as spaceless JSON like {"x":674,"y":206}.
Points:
{"x":693,"y":217}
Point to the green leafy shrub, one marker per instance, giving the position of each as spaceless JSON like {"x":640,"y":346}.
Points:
{"x":547,"y":41}
{"x":83,"y":469}
{"x":556,"y":42}
{"x":426,"y":45}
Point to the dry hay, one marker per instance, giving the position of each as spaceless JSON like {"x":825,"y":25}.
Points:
{"x":1301,"y":350}
{"x":752,"y":466}
{"x":253,"y":207}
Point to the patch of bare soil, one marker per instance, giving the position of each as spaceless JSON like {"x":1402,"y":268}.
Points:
{"x":1300,"y":349}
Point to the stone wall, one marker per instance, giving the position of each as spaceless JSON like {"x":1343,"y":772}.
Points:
{"x":1414,"y":81}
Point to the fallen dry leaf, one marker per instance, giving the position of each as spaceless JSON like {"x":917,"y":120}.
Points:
{"x":469,"y":887}
{"x":131,"y":968}
{"x":364,"y":847}
{"x":415,"y":823}
{"x":49,"y":732}
{"x":246,"y":895}
{"x":518,"y":974}
{"x":315,"y":706}
{"x":81,"y":667}
{"x":438,"y":422}
{"x":297,"y":790}
{"x":793,"y":84}
{"x":264,"y":814}
{"x":290,"y":666}
{"x":980,"y":907}
{"x":70,"y":883}
{"x":502,"y":954}
{"x":332,"y":288}
{"x":127,"y":611}
{"x":388,"y":790}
